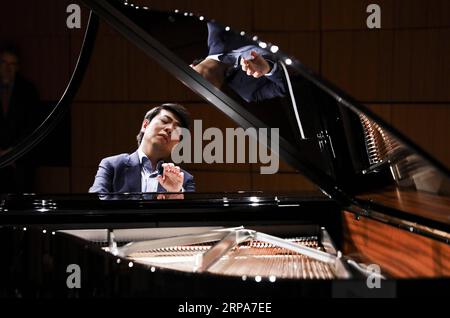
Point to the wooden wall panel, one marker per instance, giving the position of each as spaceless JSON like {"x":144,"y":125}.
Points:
{"x":286,"y":15}
{"x":82,"y":179}
{"x":284,"y":167}
{"x":53,"y":180}
{"x":210,"y":116}
{"x":37,"y":29}
{"x":422,"y":13}
{"x":282,"y":182}
{"x":207,"y":181}
{"x":217,"y":167}
{"x":234,"y":13}
{"x":303,"y":46}
{"x":384,"y":111}
{"x":426,"y":125}
{"x":147,"y":80}
{"x":33,"y":18}
{"x":359,"y":62}
{"x":421,"y":68}
{"x":106,"y":78}
{"x":397,"y":14}
{"x":52,"y":74}
{"x":102,"y":130}
{"x":9,"y":20}
{"x":47,"y":17}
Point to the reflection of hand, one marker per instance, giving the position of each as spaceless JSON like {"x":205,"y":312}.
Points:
{"x":255,"y":67}
{"x":171,"y":196}
{"x":172,"y":179}
{"x":212,"y":70}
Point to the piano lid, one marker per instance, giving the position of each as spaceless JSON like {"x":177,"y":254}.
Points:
{"x":349,"y":152}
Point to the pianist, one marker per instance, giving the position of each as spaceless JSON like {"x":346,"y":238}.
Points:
{"x":145,"y":169}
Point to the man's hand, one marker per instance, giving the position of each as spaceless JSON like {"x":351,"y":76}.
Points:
{"x":172,"y":179}
{"x":255,"y":67}
{"x":171,"y":196}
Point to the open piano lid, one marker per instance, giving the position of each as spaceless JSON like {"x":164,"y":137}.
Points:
{"x":349,"y":152}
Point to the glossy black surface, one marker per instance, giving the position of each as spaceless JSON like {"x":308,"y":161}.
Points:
{"x":333,"y":149}
{"x":205,"y":209}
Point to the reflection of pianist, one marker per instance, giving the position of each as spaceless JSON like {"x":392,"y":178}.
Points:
{"x":144,"y":170}
{"x":247,"y":69}
{"x":19,"y":112}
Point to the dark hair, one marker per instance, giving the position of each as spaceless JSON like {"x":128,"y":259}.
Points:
{"x":180,"y":112}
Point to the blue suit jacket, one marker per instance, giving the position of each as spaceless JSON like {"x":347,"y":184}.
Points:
{"x":232,"y":48}
{"x":122,"y":173}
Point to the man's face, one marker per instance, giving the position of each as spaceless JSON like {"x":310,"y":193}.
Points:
{"x":9,"y":65}
{"x":163,"y":132}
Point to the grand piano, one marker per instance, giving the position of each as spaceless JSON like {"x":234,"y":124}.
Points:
{"x":378,"y":228}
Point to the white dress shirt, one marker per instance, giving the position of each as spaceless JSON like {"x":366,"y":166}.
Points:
{"x":149,"y":182}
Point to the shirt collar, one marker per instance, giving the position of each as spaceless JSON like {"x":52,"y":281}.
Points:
{"x":142,"y":155}
{"x":214,"y":57}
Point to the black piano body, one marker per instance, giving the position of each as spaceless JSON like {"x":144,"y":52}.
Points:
{"x":385,"y":202}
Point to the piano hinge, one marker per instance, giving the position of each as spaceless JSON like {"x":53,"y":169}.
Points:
{"x":325,"y":139}
{"x":358,"y":211}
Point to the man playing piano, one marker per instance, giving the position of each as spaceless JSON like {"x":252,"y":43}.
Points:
{"x":145,"y":169}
